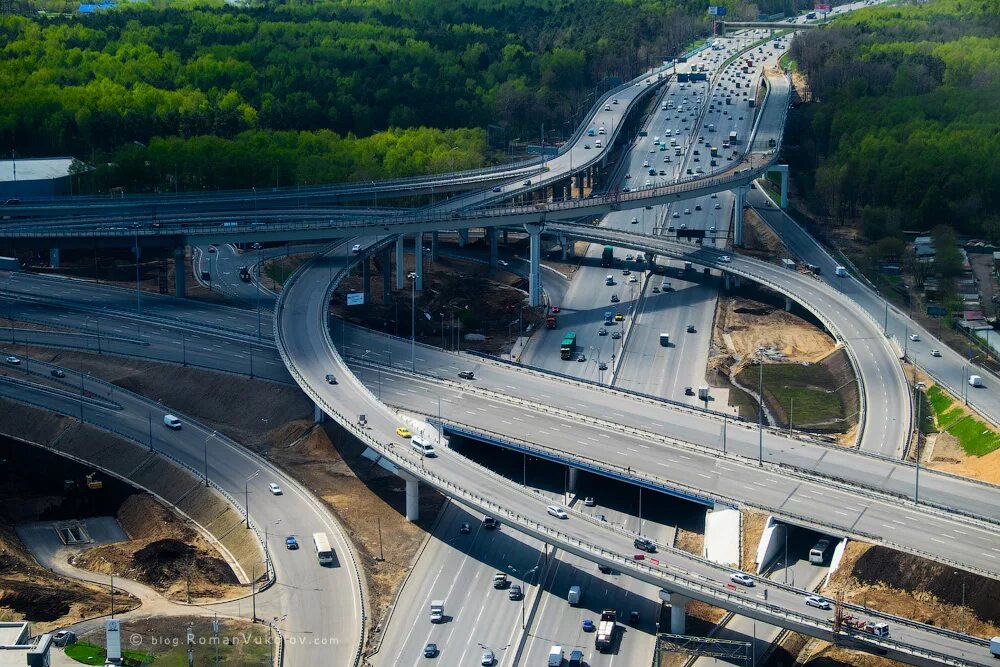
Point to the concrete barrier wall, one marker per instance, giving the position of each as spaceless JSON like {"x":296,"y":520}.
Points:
{"x":772,"y":540}
{"x":722,"y":536}
{"x":838,"y":554}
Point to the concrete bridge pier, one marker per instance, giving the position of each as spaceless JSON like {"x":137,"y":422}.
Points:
{"x":318,"y":415}
{"x":741,"y":198}
{"x":54,"y":258}
{"x":412,"y":498}
{"x":725,"y":281}
{"x":783,"y":170}
{"x":678,"y":611}
{"x":574,"y":475}
{"x":535,"y":272}
{"x":435,"y":250}
{"x":366,"y":277}
{"x":491,"y":235}
{"x":650,"y":259}
{"x":418,"y":260}
{"x":788,"y":305}
{"x":463,"y":237}
{"x":387,"y":274}
{"x":180,"y":271}
{"x":399,"y":262}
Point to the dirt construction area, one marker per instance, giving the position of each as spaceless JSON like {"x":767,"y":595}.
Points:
{"x":163,"y":552}
{"x":910,"y":586}
{"x":743,"y":327}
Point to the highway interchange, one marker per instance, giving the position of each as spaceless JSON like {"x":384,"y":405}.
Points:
{"x":741,"y":441}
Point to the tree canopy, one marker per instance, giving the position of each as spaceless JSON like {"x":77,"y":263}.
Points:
{"x":904,"y":132}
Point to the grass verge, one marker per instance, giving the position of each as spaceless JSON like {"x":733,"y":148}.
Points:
{"x":90,"y":654}
{"x":974,"y":436}
{"x":802,"y":393}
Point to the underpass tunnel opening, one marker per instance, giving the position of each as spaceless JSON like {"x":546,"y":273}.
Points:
{"x":794,"y":551}
{"x":679,"y":521}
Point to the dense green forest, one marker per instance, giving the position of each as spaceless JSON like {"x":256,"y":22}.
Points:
{"x":204,"y":94}
{"x":904,"y":130}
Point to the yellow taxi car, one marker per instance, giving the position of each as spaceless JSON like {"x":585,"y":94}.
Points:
{"x":619,"y":317}
{"x":402,"y":432}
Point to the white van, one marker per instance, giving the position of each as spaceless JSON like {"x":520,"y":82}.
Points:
{"x":422,"y":446}
{"x":171,"y":421}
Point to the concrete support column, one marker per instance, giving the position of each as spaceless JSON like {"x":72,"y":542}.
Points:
{"x":741,"y":196}
{"x":725,"y":281}
{"x":180,"y":272}
{"x":412,"y":499}
{"x":418,"y":259}
{"x":650,"y":259}
{"x":387,"y":275}
{"x":505,"y":237}
{"x":400,"y":269}
{"x":784,"y":187}
{"x":678,"y":613}
{"x":318,"y":415}
{"x":366,"y":277}
{"x":562,"y":244}
{"x":788,"y":304}
{"x":54,"y":258}
{"x":463,"y":237}
{"x":535,"y":271}
{"x":491,"y":236}
{"x":574,"y":475}
{"x":435,"y":250}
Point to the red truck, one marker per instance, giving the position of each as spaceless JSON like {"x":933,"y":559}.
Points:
{"x":550,"y":322}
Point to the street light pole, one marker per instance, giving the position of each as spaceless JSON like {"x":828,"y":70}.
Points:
{"x":246,"y":491}
{"x":413,"y":323}
{"x":760,"y":415}
{"x":206,"y":455}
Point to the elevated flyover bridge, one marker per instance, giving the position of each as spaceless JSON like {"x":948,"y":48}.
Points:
{"x":305,"y":344}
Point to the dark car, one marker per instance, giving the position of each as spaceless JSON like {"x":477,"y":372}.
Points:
{"x":588,"y":625}
{"x":464,"y":529}
{"x":467,"y":375}
{"x":330,"y":379}
{"x":57,"y":373}
{"x":515,"y":593}
{"x":645,"y":544}
{"x":633,"y":618}
{"x":576,"y":658}
{"x":430,"y":651}
{"x":604,"y":569}
{"x":489,"y":523}
{"x":291,"y":543}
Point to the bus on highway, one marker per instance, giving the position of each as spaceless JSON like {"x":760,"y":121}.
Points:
{"x":323,"y":549}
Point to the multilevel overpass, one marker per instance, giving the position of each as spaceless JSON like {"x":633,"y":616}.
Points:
{"x":305,"y":344}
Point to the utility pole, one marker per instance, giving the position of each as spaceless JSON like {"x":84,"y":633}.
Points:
{"x":760,"y":415}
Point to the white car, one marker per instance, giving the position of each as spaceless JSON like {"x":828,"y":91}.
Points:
{"x":356,"y":248}
{"x":503,"y":262}
{"x":724,"y":259}
{"x":488,"y":658}
{"x":557,"y":512}
{"x":717,"y":206}
{"x":742,"y":579}
{"x":633,"y":279}
{"x":13,"y":360}
{"x":817,"y":601}
{"x":687,"y":211}
{"x":914,"y":337}
{"x":935,"y":353}
{"x":275,"y":489}
{"x":676,"y":214}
